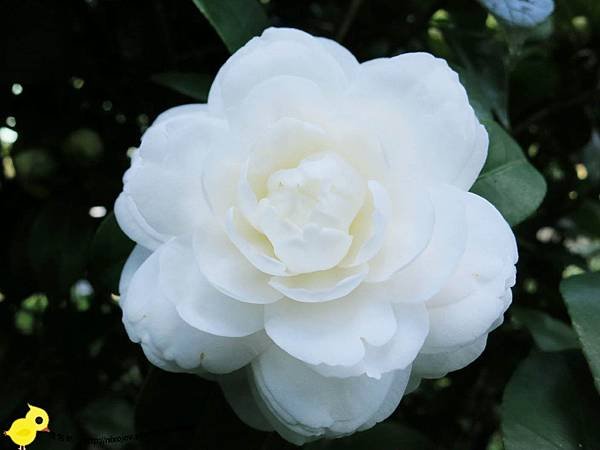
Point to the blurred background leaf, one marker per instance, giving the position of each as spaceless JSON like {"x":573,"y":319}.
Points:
{"x":193,"y":85}
{"x":582,"y":295}
{"x":549,"y":334}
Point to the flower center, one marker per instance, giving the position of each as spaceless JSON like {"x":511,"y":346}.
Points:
{"x":308,"y":210}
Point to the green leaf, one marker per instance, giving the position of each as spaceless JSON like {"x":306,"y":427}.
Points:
{"x":549,"y":334}
{"x":194,"y":85}
{"x":236,"y":21}
{"x":385,"y":436}
{"x":550,"y":404}
{"x":485,"y":90}
{"x":478,"y":58}
{"x":582,"y":296}
{"x":520,"y":13}
{"x":508,"y":180}
{"x":109,"y":251}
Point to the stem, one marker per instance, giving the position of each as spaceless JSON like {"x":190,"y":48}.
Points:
{"x":348,"y":19}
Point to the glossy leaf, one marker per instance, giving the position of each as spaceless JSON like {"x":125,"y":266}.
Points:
{"x":236,"y":21}
{"x":486,"y":92}
{"x":549,"y":334}
{"x":582,"y":296}
{"x":194,"y":85}
{"x":550,"y":404}
{"x":508,"y":180}
{"x":520,"y":13}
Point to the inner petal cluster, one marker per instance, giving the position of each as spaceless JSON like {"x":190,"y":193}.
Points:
{"x":308,"y":211}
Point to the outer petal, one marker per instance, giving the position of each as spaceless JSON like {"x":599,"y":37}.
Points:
{"x":284,"y":96}
{"x":479,"y":289}
{"x":436,"y":365}
{"x":458,"y":323}
{"x":491,"y":247}
{"x":278,"y":51}
{"x":169,"y":342}
{"x":334,"y":332}
{"x":237,"y":389}
{"x":197,"y":301}
{"x":398,"y":353}
{"x":392,"y":399}
{"x":345,"y":59}
{"x":161,"y":195}
{"x":406,"y":97}
{"x":181,"y":110}
{"x":426,"y":275}
{"x":303,"y":405}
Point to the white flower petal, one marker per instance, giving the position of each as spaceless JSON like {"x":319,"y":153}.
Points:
{"x":169,"y":342}
{"x":320,"y":286}
{"x":345,"y":59}
{"x":479,"y":289}
{"x":277,"y":98}
{"x":402,"y":99}
{"x":474,"y":164}
{"x":181,"y":110}
{"x":334,"y":332}
{"x":398,"y":353}
{"x":238,"y":393}
{"x":253,"y":245}
{"x":392,"y":399}
{"x":197,"y":301}
{"x":369,"y":227}
{"x":448,"y":326}
{"x":134,"y":225}
{"x":138,"y":255}
{"x":303,"y":405}
{"x":491,"y":247}
{"x":221,"y":166}
{"x":227,"y":270}
{"x":410,"y":229}
{"x":283,"y":146}
{"x":162,"y":190}
{"x":436,"y":365}
{"x":426,"y":275}
{"x":278,"y":51}
{"x":303,"y":250}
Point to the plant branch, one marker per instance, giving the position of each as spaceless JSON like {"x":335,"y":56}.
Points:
{"x":348,"y":19}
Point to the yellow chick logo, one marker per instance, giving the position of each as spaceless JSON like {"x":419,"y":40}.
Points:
{"x":23,"y":431}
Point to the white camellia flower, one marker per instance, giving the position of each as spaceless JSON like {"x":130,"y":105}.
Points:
{"x":307,"y":237}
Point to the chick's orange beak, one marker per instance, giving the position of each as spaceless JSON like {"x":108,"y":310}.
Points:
{"x":47,"y":430}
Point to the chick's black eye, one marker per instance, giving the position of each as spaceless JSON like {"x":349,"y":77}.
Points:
{"x":38,"y":420}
